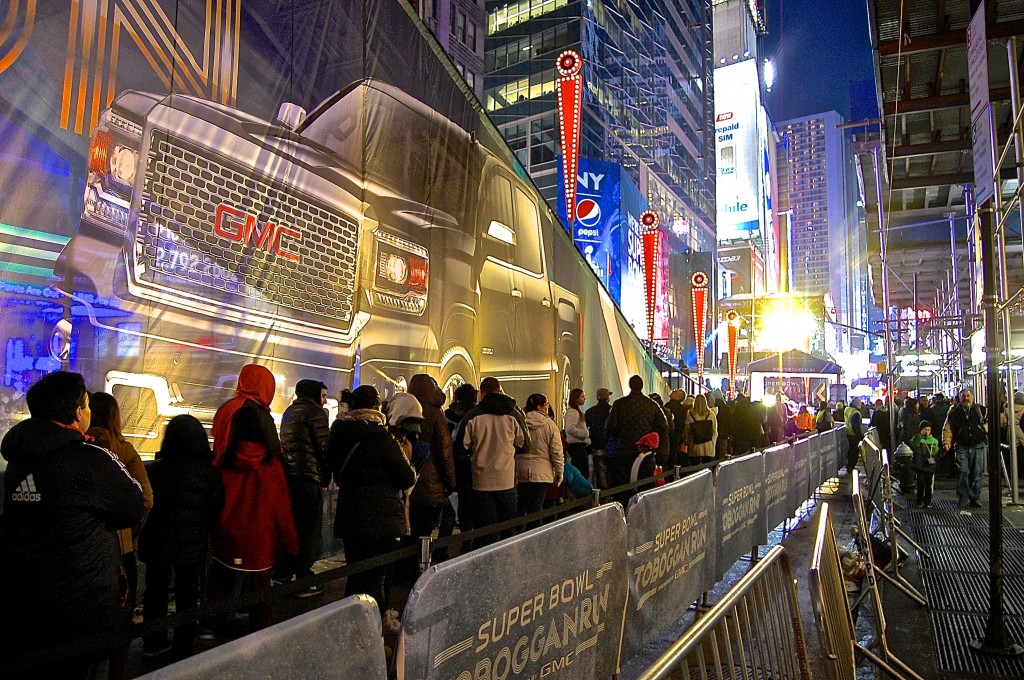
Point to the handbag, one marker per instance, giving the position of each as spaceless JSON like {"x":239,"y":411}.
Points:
{"x":701,"y":431}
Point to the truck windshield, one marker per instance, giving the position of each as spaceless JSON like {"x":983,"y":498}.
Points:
{"x":415,"y":153}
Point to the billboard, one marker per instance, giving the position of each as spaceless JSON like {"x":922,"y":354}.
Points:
{"x":607,"y":232}
{"x":596,"y":228}
{"x":331,"y":203}
{"x":739,"y":152}
{"x":741,"y":268}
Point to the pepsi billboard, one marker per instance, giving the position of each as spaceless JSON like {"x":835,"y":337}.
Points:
{"x":595,"y":229}
{"x":606,"y":229}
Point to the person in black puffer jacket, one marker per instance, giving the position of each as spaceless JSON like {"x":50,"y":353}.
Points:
{"x":373,"y":475}
{"x":304,"y":434}
{"x":188,"y":496}
{"x":631,"y":417}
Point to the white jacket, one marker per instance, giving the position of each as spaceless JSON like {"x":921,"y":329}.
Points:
{"x":576,"y":431}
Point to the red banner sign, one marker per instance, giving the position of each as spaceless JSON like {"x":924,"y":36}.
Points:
{"x":699,"y":293}
{"x":570,"y":105}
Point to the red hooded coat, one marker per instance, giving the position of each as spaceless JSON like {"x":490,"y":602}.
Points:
{"x":257,"y":515}
{"x":255,"y":383}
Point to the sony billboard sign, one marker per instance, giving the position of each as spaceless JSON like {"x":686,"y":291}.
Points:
{"x":738,"y":151}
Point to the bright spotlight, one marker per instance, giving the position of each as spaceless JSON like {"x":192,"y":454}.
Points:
{"x":769,"y":74}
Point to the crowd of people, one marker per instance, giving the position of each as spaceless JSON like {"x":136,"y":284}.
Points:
{"x":247,"y":513}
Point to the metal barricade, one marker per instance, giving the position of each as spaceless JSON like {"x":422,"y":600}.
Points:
{"x":831,"y":606}
{"x":753,"y":631}
{"x":834,"y":616}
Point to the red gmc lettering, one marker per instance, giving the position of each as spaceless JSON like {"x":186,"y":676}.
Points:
{"x":238,"y":225}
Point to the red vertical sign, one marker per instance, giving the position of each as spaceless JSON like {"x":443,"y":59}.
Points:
{"x":570,"y":104}
{"x":652,"y":243}
{"x":733,"y":326}
{"x":699,"y":295}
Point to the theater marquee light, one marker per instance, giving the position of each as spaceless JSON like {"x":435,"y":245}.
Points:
{"x":570,"y":105}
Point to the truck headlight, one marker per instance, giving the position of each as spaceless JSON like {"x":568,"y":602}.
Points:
{"x":123,"y":162}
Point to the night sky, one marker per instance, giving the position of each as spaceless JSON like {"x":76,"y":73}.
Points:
{"x":819,"y":46}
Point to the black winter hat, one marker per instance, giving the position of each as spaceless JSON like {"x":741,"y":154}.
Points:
{"x":924,"y":424}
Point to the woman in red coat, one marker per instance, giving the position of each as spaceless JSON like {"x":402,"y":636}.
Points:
{"x":257,"y":518}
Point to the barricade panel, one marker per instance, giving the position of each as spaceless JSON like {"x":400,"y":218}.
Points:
{"x":739,"y":499}
{"x":671,"y":538}
{"x":831,"y":606}
{"x":778,"y":475}
{"x":800,"y":488}
{"x":547,"y":603}
{"x":753,"y":632}
{"x":339,"y":640}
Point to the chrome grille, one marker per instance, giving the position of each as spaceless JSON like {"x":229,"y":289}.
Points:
{"x":185,"y":186}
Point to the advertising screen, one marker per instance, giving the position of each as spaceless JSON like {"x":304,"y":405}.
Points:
{"x":738,"y":151}
{"x":197,"y":186}
{"x":595,"y":229}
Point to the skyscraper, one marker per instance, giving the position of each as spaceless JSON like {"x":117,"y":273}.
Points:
{"x":648,"y":103}
{"x":828,"y":248}
{"x":459,"y":26}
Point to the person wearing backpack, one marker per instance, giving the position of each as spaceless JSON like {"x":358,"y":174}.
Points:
{"x":965,"y":433}
{"x":701,"y":431}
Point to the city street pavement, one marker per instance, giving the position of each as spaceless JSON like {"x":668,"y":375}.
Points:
{"x":933,"y":640}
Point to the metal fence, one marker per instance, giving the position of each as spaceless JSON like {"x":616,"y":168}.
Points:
{"x":831,"y":606}
{"x":753,"y":632}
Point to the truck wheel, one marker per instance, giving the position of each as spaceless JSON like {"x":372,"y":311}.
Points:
{"x":565,"y":386}
{"x":457,"y":371}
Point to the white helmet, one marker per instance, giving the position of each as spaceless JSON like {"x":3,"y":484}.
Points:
{"x":404,"y":411}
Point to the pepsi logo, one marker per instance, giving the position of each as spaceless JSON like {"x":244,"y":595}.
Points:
{"x":588,"y":212}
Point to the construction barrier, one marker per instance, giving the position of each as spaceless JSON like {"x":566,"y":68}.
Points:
{"x":800,"y":487}
{"x":779,"y":503}
{"x":339,"y":640}
{"x":670,"y":534}
{"x":740,"y":521}
{"x":547,"y":602}
{"x":754,"y":631}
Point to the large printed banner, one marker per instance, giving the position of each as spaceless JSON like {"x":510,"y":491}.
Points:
{"x":187,"y":187}
{"x":671,"y":540}
{"x":778,"y":475}
{"x":549,"y":602}
{"x":341,"y":640}
{"x":739,"y":497}
{"x":800,"y":488}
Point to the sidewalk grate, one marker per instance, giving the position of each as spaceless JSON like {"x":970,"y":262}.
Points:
{"x":932,"y":518}
{"x":957,"y":558}
{"x":965,"y":536}
{"x":968,"y":592}
{"x":954,"y":630}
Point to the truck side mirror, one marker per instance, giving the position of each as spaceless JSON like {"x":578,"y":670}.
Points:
{"x":290,"y":115}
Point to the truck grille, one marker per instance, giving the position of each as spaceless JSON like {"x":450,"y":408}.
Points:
{"x":185,"y":186}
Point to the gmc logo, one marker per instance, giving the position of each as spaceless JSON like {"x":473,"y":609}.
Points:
{"x":238,"y":225}
{"x":724,"y":116}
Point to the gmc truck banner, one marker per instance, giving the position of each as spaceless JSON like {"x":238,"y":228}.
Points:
{"x":188,"y":187}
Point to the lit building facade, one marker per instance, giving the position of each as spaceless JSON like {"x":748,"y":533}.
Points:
{"x":648,"y":107}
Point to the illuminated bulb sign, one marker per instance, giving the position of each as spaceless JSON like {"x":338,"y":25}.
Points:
{"x":570,"y":104}
{"x":732,"y":318}
{"x":699,"y":297}
{"x":649,"y":229}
